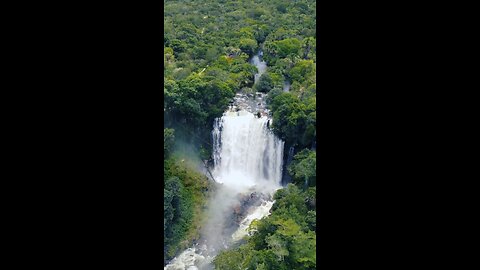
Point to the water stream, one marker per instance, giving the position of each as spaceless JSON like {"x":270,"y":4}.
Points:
{"x":247,"y":167}
{"x":260,"y":64}
{"x":286,"y":86}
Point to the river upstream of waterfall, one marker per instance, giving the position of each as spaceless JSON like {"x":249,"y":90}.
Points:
{"x":248,"y":169}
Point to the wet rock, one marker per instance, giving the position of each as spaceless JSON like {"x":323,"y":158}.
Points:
{"x":247,"y":201}
{"x":237,"y":209}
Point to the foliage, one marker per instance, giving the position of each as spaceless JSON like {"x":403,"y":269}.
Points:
{"x":303,"y":168}
{"x":284,"y":240}
{"x":184,"y":197}
{"x":206,"y":51}
{"x":302,"y":69}
{"x":265,"y":83}
{"x":248,"y":45}
{"x":207,"y":46}
{"x":168,"y":141}
{"x":294,"y":120}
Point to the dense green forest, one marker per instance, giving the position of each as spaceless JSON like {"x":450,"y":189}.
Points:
{"x":207,"y":48}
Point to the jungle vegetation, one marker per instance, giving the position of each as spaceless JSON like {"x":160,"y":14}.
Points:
{"x":207,"y":48}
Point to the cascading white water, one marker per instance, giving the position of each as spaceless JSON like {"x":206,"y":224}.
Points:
{"x":247,"y":158}
{"x":259,"y":212}
{"x":246,"y":153}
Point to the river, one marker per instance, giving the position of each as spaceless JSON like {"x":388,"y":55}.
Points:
{"x":247,"y":167}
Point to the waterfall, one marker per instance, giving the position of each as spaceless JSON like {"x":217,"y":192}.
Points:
{"x":246,"y":152}
{"x":248,"y":160}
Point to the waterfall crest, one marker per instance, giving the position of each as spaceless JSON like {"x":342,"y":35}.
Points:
{"x":246,"y":152}
{"x":247,"y":160}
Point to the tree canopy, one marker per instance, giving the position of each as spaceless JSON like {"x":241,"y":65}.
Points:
{"x":207,"y":48}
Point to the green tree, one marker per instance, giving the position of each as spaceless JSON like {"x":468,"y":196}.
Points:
{"x":248,"y":45}
{"x":303,"y":168}
{"x":287,"y":46}
{"x":265,"y":83}
{"x":308,"y":45}
{"x":278,"y":246}
{"x":289,"y":117}
{"x":168,"y":141}
{"x":304,"y":250}
{"x":229,"y":260}
{"x":302,"y":69}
